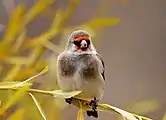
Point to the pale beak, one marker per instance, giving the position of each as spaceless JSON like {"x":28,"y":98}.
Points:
{"x":84,"y":44}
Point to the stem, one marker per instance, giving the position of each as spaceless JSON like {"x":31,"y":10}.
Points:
{"x":45,"y":92}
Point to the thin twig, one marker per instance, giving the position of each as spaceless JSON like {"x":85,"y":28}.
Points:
{"x":45,"y":92}
{"x":38,"y":106}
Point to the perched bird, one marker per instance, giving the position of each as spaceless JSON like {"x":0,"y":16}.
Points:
{"x":80,"y":67}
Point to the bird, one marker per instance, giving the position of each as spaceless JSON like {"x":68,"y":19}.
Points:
{"x":81,"y":68}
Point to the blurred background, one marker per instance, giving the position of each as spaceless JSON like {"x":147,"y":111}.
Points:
{"x":134,"y":51}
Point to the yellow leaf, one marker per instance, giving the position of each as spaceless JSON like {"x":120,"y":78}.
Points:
{"x":125,"y":114}
{"x":58,"y":18}
{"x":35,"y":56}
{"x":52,"y":32}
{"x":57,"y":25}
{"x":164,"y":118}
{"x":100,"y":22}
{"x":16,"y":60}
{"x":143,"y":106}
{"x":4,"y":85}
{"x":121,"y":112}
{"x":12,"y":74}
{"x":80,"y":114}
{"x":65,"y":94}
{"x":37,"y":9}
{"x":18,"y":115}
{"x":31,"y":79}
{"x":27,"y":72}
{"x":13,"y":28}
{"x":15,"y":98}
{"x":19,"y":41}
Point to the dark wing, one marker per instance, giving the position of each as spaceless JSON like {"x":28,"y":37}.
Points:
{"x":103,"y":67}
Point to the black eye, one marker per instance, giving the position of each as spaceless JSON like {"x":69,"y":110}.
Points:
{"x":77,"y":43}
{"x":88,"y":42}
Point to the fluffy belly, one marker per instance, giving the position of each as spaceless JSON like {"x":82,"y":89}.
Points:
{"x":90,"y":89}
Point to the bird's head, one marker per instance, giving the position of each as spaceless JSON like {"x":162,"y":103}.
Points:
{"x":80,"y":41}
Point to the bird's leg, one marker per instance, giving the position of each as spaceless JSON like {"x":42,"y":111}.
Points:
{"x":93,"y":113}
{"x":69,"y":100}
{"x":93,"y":103}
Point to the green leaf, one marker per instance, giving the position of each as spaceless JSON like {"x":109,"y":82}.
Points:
{"x":80,"y":114}
{"x":124,"y":114}
{"x":15,"y":98}
{"x":65,"y":94}
{"x":38,"y":106}
{"x":18,"y":115}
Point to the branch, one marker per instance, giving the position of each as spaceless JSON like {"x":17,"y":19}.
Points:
{"x":45,"y":92}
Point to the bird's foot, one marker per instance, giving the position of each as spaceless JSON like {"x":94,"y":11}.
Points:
{"x":69,"y":100}
{"x":93,"y":113}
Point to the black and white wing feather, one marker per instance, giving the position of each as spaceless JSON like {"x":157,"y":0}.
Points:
{"x":102,"y":67}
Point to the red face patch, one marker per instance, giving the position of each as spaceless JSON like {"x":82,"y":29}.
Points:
{"x":80,"y":38}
